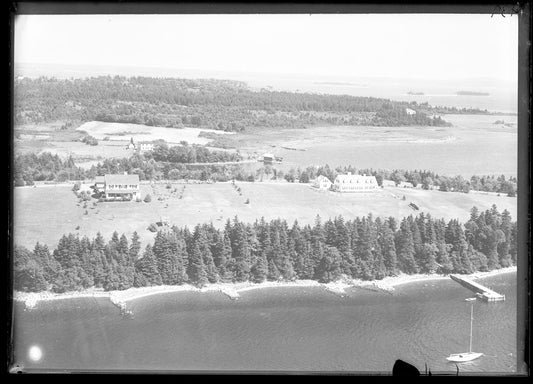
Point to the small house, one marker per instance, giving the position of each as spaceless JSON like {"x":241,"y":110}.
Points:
{"x":388,"y":183}
{"x":145,"y":146}
{"x":405,"y":184}
{"x":268,"y":159}
{"x":322,"y":182}
{"x":410,"y":111}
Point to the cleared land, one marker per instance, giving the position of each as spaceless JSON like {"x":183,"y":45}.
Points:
{"x":139,"y":132}
{"x":45,"y":213}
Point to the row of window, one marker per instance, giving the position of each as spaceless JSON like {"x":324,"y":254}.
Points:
{"x":356,"y":182}
{"x":122,"y":186}
{"x":356,"y":188}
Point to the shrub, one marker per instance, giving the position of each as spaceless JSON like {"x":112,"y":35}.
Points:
{"x":147,"y":198}
{"x":152,"y":227}
{"x":247,"y":201}
{"x":76,"y":186}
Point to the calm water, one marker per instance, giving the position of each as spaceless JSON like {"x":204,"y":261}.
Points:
{"x":295,"y":329}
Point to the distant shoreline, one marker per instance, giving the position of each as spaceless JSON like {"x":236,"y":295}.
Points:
{"x":232,"y":290}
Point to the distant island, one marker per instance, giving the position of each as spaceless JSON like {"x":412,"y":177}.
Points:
{"x":415,"y":93}
{"x":471,"y":93}
{"x":339,"y":83}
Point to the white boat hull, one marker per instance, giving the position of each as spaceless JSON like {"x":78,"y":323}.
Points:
{"x":463,"y":357}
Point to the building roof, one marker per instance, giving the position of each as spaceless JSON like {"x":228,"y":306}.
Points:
{"x":268,"y":155}
{"x":99,"y":179}
{"x":121,"y":179}
{"x":355,"y":179}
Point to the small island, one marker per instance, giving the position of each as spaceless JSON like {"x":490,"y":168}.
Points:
{"x":472,"y":93}
{"x":415,"y":93}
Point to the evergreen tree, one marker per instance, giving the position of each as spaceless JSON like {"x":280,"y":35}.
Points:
{"x":28,"y":274}
{"x":405,"y":248}
{"x":201,"y":241}
{"x":221,"y":251}
{"x":196,"y":271}
{"x":240,"y":252}
{"x":146,"y":273}
{"x":329,"y":268}
{"x":388,"y":249}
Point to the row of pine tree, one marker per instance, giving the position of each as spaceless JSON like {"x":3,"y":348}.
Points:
{"x":364,"y":248}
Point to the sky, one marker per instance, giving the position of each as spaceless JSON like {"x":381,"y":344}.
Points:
{"x":437,"y":46}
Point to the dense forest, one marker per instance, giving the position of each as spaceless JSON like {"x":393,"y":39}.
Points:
{"x":365,"y":248}
{"x":216,"y":104}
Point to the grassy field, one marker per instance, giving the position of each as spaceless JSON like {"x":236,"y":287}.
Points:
{"x":45,"y":213}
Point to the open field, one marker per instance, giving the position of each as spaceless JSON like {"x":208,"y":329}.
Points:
{"x":139,"y":132}
{"x":45,"y":213}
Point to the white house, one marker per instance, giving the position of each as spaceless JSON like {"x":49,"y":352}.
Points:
{"x":268,"y":159}
{"x":388,"y":183}
{"x":121,"y":187}
{"x":355,"y":183}
{"x":322,"y":182}
{"x":405,"y":184}
{"x":410,"y":111}
{"x":146,"y":146}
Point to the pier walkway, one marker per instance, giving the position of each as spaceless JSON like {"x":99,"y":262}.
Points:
{"x":482,"y":292}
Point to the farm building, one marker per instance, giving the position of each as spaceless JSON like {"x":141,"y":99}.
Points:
{"x":355,"y":183}
{"x":405,"y":184}
{"x":410,"y":111}
{"x":322,"y":182}
{"x":268,"y":159}
{"x":388,"y":183}
{"x":119,"y":187}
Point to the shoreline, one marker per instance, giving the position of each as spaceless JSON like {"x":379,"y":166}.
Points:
{"x":232,"y":290}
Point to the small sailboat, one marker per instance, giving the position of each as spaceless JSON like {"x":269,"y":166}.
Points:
{"x":466,"y":356}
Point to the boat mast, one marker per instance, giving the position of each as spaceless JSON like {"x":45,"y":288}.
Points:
{"x":471,"y":322}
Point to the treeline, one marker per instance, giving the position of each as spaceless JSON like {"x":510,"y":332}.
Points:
{"x":364,"y":248}
{"x":217,"y":104}
{"x":426,"y":179}
{"x":30,"y":167}
{"x":155,"y":165}
{"x":425,"y":107}
{"x":166,"y":163}
{"x":190,"y":154}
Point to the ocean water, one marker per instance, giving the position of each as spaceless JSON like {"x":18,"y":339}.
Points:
{"x":277,"y":329}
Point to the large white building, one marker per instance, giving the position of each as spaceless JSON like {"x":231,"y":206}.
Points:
{"x":355,"y":183}
{"x":118,"y":187}
{"x":322,"y":182}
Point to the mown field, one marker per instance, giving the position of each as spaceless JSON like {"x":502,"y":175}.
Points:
{"x":45,"y":213}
